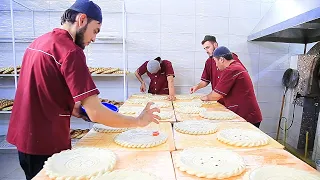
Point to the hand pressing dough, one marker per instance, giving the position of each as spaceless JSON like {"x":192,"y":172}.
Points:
{"x":218,"y":115}
{"x":242,"y":137}
{"x":190,"y":110}
{"x":210,"y":163}
{"x":278,"y":172}
{"x":195,"y":127}
{"x":107,"y":129}
{"x":140,"y":138}
{"x":127,"y":175}
{"x":80,"y":163}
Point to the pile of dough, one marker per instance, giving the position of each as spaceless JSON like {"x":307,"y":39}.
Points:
{"x":184,"y":97}
{"x":161,"y":104}
{"x":278,"y":172}
{"x":242,"y":137}
{"x":140,"y":138}
{"x":196,"y":127}
{"x":130,"y":111}
{"x":210,"y":163}
{"x":142,"y":95}
{"x":190,"y":110}
{"x":138,"y":101}
{"x":127,"y":175}
{"x":187,"y":104}
{"x":218,"y":115}
{"x":157,"y":97}
{"x":80,"y":163}
{"x":107,"y":129}
{"x":164,"y":115}
{"x":204,"y":102}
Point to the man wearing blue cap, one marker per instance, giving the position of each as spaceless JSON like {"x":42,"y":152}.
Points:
{"x":235,"y":87}
{"x":210,"y":73}
{"x":53,"y":82}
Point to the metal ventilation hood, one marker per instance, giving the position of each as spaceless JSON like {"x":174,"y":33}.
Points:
{"x":289,"y":21}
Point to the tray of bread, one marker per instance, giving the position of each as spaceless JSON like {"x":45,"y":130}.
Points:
{"x":6,"y":104}
{"x":116,"y":103}
{"x":106,"y":70}
{"x":9,"y":70}
{"x":78,"y":133}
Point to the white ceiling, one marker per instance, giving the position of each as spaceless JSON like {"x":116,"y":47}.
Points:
{"x":56,"y":5}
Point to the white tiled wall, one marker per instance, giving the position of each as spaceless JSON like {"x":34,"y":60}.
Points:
{"x":174,"y":30}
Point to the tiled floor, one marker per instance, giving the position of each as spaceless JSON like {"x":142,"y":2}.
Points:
{"x":9,"y":166}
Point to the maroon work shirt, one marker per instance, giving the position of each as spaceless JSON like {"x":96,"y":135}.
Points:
{"x":211,"y":73}
{"x":159,"y":82}
{"x":236,"y":87}
{"x":53,"y":77}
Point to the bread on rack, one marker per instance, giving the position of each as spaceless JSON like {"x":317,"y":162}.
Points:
{"x":5,"y":103}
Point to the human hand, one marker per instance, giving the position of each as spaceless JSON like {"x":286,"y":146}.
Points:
{"x":147,"y":116}
{"x":171,"y":98}
{"x":77,"y":113}
{"x":193,"y":89}
{"x":143,"y":87}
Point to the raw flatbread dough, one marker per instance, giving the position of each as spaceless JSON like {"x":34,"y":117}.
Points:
{"x":127,"y":175}
{"x":164,"y":115}
{"x":196,"y":95}
{"x":157,"y":97}
{"x":161,"y":104}
{"x":204,"y":102}
{"x":140,"y":138}
{"x":190,"y":110}
{"x":80,"y":163}
{"x":187,"y":104}
{"x":107,"y":129}
{"x":277,"y":172}
{"x":130,"y":110}
{"x":210,"y":162}
{"x":218,"y":115}
{"x":196,"y":127}
{"x":242,"y":137}
{"x":184,"y":97}
{"x":142,"y":95}
{"x":138,"y":101}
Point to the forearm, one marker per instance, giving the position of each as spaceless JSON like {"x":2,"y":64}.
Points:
{"x":139,"y":77}
{"x":213,"y":96}
{"x":171,"y":85}
{"x":202,"y":84}
{"x":100,"y":114}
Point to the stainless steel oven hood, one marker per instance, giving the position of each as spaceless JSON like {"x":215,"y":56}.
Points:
{"x":290,"y":21}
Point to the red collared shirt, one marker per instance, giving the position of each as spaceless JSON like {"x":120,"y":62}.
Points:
{"x":236,"y":87}
{"x":53,"y":77}
{"x":211,"y":74}
{"x":159,"y":82}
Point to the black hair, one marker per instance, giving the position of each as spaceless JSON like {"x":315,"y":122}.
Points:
{"x":70,"y":16}
{"x":158,"y":59}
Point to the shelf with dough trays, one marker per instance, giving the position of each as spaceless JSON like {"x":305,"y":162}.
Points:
{"x":99,"y":40}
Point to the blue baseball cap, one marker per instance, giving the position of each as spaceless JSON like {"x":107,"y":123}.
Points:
{"x":89,"y":8}
{"x":221,"y":51}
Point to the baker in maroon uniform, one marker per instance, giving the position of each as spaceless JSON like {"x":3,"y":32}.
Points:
{"x":210,"y":73}
{"x":161,"y":75}
{"x":54,"y":82}
{"x":235,"y":87}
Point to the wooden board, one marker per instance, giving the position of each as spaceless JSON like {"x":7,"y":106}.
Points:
{"x":105,"y":140}
{"x":209,"y":107}
{"x":183,"y":141}
{"x":151,"y":162}
{"x":255,"y":158}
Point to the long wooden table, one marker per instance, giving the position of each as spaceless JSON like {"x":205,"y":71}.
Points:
{"x":105,"y":140}
{"x":183,"y":141}
{"x":158,"y":163}
{"x":255,"y":158}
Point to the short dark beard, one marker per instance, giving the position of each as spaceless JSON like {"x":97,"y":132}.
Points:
{"x":80,"y":37}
